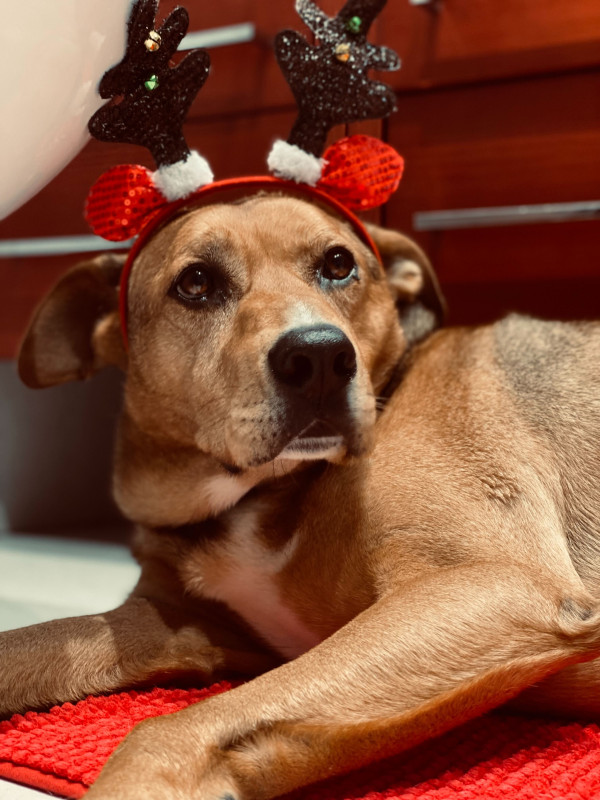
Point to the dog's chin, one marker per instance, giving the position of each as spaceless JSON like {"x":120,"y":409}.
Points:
{"x":317,"y":440}
{"x":334,"y":448}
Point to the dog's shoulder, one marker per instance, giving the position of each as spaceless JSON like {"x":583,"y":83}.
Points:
{"x":549,"y":362}
{"x":543,"y":366}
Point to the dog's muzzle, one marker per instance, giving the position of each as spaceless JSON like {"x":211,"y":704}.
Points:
{"x":313,"y":368}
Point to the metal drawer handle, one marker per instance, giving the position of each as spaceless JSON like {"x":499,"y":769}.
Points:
{"x":219,"y":37}
{"x":41,"y":246}
{"x":505,"y":215}
{"x":431,"y":5}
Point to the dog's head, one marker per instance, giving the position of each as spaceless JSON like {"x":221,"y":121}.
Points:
{"x":259,"y":331}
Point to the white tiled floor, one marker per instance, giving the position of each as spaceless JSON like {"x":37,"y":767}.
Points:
{"x":42,"y":578}
{"x":12,"y":791}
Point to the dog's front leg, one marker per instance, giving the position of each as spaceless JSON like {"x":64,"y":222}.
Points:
{"x":421,"y":660}
{"x":142,"y":641}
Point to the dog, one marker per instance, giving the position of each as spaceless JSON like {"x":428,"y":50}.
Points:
{"x":384,"y":527}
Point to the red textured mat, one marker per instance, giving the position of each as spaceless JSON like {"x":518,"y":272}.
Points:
{"x":497,"y":756}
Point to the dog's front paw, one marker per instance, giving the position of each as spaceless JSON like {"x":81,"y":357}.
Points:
{"x":163,"y":760}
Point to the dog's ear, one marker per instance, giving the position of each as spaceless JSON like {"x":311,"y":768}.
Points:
{"x":413,"y":283}
{"x":76,"y":329}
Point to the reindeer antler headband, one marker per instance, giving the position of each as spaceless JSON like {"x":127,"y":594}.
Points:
{"x":151,"y":99}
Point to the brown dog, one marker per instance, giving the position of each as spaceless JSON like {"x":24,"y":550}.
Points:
{"x":390,"y":531}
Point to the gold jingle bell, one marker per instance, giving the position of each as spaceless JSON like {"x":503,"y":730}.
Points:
{"x":152,"y":43}
{"x":342,"y":52}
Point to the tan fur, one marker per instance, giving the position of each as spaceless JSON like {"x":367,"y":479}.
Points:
{"x":443,"y":560}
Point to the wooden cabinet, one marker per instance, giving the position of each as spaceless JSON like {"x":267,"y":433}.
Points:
{"x":499,"y":105}
{"x":506,"y":112}
{"x":536,"y":140}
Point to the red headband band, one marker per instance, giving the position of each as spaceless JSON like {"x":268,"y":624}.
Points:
{"x":251,"y":183}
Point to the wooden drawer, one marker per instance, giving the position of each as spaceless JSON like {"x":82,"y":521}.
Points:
{"x":23,"y":283}
{"x":503,"y":144}
{"x":480,"y":302}
{"x":477,"y":39}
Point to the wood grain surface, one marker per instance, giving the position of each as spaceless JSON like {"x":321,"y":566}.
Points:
{"x":499,"y":104}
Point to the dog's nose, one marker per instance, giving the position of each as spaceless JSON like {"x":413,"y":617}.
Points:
{"x":315,"y":361}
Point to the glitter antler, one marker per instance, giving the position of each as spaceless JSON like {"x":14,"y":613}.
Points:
{"x":328,"y":79}
{"x":152,"y":98}
{"x":150,"y":101}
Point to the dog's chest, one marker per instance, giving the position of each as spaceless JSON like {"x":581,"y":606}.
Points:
{"x":239,"y":569}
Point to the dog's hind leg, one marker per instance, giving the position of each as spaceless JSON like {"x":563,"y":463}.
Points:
{"x":143,"y":641}
{"x":424,"y":658}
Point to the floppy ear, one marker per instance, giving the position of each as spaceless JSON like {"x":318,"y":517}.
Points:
{"x":413,"y":283}
{"x":76,"y":329}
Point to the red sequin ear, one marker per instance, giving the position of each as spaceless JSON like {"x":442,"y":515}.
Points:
{"x":361,"y":172}
{"x":121,"y":202}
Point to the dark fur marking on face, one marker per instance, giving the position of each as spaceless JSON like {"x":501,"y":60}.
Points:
{"x":197,"y":532}
{"x":231,"y":469}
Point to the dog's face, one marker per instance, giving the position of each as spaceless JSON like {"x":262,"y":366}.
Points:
{"x":259,"y":331}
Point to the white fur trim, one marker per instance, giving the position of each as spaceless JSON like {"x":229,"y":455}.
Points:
{"x":290,"y":162}
{"x":176,"y":181}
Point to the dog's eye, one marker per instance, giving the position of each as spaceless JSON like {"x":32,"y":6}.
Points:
{"x":338,"y":264}
{"x":192,"y":284}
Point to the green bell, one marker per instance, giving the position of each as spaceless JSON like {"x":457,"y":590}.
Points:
{"x":151,"y":83}
{"x":354,"y":24}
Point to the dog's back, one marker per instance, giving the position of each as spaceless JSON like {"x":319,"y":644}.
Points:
{"x":552,"y":370}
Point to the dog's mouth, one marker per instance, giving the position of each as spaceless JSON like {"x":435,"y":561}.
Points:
{"x":304,"y":434}
{"x":317,"y":441}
